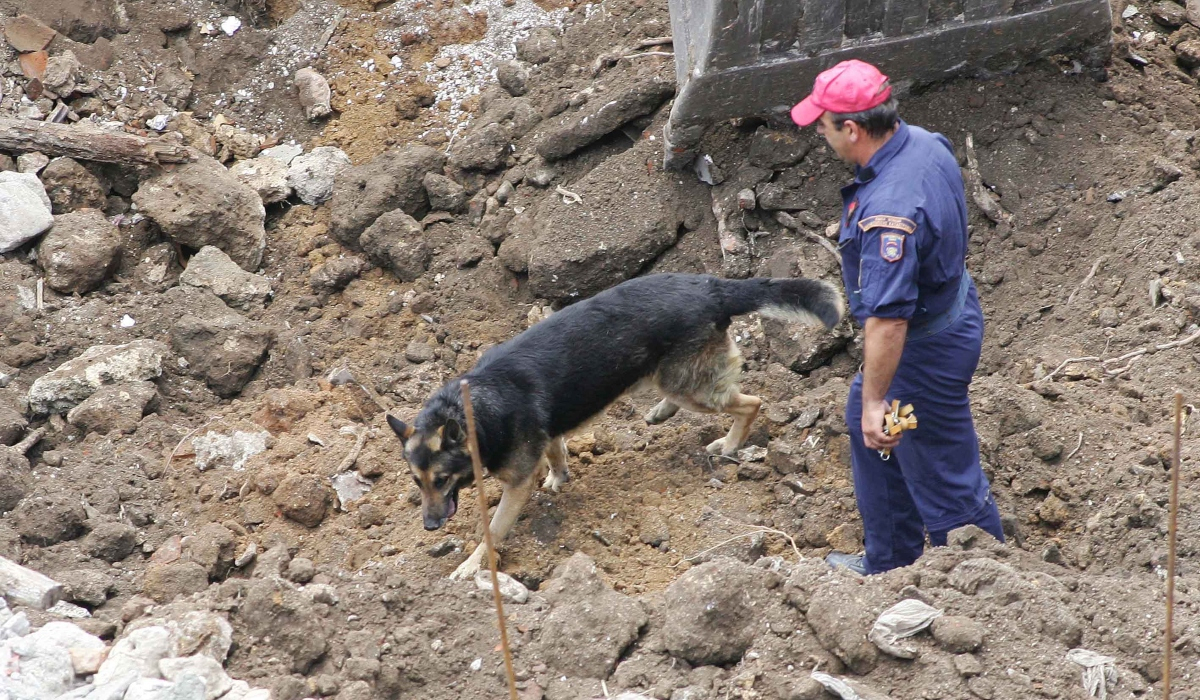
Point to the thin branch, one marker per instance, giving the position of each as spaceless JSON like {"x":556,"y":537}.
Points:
{"x":1091,"y":273}
{"x":1077,"y":446}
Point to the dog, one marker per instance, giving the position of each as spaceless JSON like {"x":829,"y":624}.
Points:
{"x":530,"y":391}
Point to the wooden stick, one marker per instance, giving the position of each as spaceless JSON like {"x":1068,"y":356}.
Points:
{"x":1169,"y":637}
{"x":30,"y":440}
{"x":87,"y":142}
{"x":788,"y":221}
{"x":1091,"y":273}
{"x":351,"y":458}
{"x":22,"y":586}
{"x":473,"y":443}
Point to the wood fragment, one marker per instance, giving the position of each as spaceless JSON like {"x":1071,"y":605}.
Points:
{"x":29,"y":441}
{"x":981,"y":195}
{"x":348,"y":462}
{"x":1091,"y":273}
{"x":1077,"y":446}
{"x":22,"y":586}
{"x":88,"y":142}
{"x":1172,"y":530}
{"x":788,"y":221}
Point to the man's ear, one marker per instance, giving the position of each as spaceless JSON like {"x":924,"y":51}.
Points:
{"x":454,"y":433}
{"x":403,"y":430}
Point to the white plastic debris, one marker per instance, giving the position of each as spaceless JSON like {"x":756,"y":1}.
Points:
{"x":350,"y":487}
{"x":1130,"y":11}
{"x":476,"y":664}
{"x":1099,"y":671}
{"x":127,"y":321}
{"x":217,"y":450}
{"x":753,"y":453}
{"x":847,"y":689}
{"x":68,"y":610}
{"x":511,"y":589}
{"x":397,"y":62}
{"x":904,"y":619}
{"x":230,"y":25}
{"x":703,"y":169}
{"x":158,"y":122}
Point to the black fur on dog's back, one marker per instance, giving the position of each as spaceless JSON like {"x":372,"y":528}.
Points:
{"x":566,"y":369}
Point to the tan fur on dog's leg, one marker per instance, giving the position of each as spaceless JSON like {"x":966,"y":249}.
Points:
{"x":556,"y":453}
{"x":662,"y":411}
{"x":744,"y":409}
{"x":511,"y":501}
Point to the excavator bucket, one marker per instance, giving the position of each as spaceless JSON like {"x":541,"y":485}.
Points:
{"x":742,"y":58}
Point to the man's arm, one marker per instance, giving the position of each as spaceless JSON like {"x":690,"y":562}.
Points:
{"x":883,"y":343}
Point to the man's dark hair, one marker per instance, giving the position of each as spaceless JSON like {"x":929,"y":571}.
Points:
{"x":877,"y":121}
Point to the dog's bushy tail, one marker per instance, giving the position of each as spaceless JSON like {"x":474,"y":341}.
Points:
{"x":799,"y":300}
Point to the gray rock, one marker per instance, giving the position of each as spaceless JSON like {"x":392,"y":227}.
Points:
{"x":90,"y":588}
{"x":116,"y":407}
{"x":591,"y":625}
{"x":711,"y":612}
{"x":575,"y":130}
{"x":215,"y":449}
{"x":45,"y":659}
{"x":165,"y":582}
{"x":958,"y":635}
{"x":486,"y":148}
{"x":214,"y":548}
{"x":392,"y":180}
{"x":513,"y":77}
{"x":32,"y":163}
{"x":1019,"y":411}
{"x":511,"y":589}
{"x":334,"y":275}
{"x":225,"y":350}
{"x":581,"y":249}
{"x":138,"y":653}
{"x":419,"y":351}
{"x":284,"y":152}
{"x":79,"y":251}
{"x":14,"y":485}
{"x":110,"y":541}
{"x":273,"y":608}
{"x":314,"y":93}
{"x":201,"y":203}
{"x":212,"y":269}
{"x":303,"y":498}
{"x":215,"y":681}
{"x":150,"y":689}
{"x":313,"y":174}
{"x":444,"y":194}
{"x":12,"y":425}
{"x":301,"y":570}
{"x":396,"y":241}
{"x":73,"y":381}
{"x":803,"y":348}
{"x":24,"y":210}
{"x":71,"y":186}
{"x":266,"y":176}
{"x":841,"y":622}
{"x":777,"y":150}
{"x":539,"y":47}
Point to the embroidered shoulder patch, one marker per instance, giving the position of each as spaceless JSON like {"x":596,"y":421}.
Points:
{"x":891,"y":246}
{"x":884,"y":221}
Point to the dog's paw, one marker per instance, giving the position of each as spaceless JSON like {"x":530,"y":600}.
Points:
{"x":661,"y":413}
{"x":466,"y":571}
{"x":555,"y":480}
{"x":717,"y":447}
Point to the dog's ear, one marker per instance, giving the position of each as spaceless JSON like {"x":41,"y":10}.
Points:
{"x":454,"y":432}
{"x":403,"y":430}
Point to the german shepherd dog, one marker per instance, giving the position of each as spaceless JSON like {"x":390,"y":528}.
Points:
{"x":530,"y":391}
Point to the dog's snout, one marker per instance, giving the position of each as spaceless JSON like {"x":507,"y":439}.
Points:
{"x":434,"y":523}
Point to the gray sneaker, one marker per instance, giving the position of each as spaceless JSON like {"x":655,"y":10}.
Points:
{"x":853,"y":562}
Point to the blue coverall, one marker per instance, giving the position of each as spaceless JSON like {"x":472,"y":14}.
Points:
{"x":903,"y":240}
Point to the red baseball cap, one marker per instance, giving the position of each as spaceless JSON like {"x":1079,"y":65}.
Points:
{"x":850,"y":86}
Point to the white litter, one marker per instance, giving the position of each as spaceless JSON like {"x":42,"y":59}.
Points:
{"x":753,"y":453}
{"x":1099,"y":671}
{"x":904,"y":619}
{"x":230,"y":25}
{"x":476,"y":664}
{"x":127,"y":321}
{"x":703,"y":168}
{"x":158,"y":122}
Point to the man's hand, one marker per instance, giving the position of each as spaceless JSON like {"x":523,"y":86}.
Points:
{"x":872,"y":426}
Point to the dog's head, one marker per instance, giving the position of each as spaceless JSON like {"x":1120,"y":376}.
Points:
{"x":440,"y":464}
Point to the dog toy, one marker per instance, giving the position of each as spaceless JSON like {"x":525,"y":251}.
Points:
{"x":900,"y":419}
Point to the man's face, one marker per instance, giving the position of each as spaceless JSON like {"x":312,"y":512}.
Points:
{"x":840,"y":140}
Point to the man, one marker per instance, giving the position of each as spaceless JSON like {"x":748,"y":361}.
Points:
{"x":903,"y":240}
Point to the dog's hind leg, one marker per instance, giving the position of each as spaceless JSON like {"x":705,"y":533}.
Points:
{"x":662,"y":411}
{"x":511,"y":501}
{"x":556,"y":453}
{"x":744,"y":409}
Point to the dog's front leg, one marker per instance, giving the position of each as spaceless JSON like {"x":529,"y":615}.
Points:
{"x":512,"y":499}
